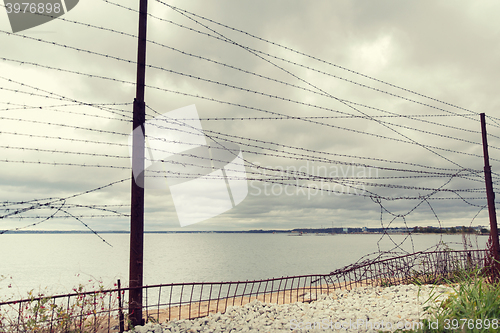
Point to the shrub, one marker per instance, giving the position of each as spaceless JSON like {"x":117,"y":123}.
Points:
{"x":473,"y":306}
{"x":79,"y":313}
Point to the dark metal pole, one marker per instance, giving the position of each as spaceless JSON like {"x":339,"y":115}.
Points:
{"x":490,"y":195}
{"x":137,"y":199}
{"x":121,"y":319}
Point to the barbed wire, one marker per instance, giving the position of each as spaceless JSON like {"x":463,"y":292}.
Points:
{"x":309,"y":177}
{"x":17,"y":91}
{"x":131,"y":35}
{"x":24,"y":106}
{"x":296,"y":176}
{"x":415,"y":117}
{"x":126,"y":134}
{"x":65,"y":217}
{"x":290,"y":174}
{"x":181,"y":73}
{"x":65,"y":139}
{"x":270,"y":96}
{"x":65,"y":152}
{"x":319,"y":152}
{"x":307,"y":104}
{"x":55,"y":203}
{"x":403,"y":217}
{"x":345,"y":181}
{"x":305,"y":118}
{"x":32,"y":224}
{"x":50,"y":95}
{"x":323,"y":124}
{"x":286,"y":83}
{"x":87,"y":226}
{"x":64,"y":125}
{"x":296,"y":156}
{"x":290,"y":49}
{"x":53,"y":109}
{"x":228,"y":40}
{"x":92,"y":207}
{"x":319,"y":89}
{"x":210,"y":136}
{"x":336,"y":117}
{"x":313,"y":57}
{"x":307,"y":158}
{"x":160,"y":126}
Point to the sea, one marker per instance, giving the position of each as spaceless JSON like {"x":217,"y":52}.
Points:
{"x":57,"y":263}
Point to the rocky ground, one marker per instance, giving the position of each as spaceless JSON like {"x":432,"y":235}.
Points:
{"x":365,"y":309}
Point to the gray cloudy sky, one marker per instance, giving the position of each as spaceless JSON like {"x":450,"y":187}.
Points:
{"x":377,"y":142}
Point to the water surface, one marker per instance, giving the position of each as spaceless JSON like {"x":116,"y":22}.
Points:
{"x":58,"y":262}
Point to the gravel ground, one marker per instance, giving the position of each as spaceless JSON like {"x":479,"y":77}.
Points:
{"x":366,"y":309}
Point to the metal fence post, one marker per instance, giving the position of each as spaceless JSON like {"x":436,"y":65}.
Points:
{"x":490,"y":195}
{"x":137,"y":191}
{"x":120,"y":308}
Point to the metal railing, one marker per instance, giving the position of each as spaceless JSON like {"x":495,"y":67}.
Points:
{"x":104,"y":310}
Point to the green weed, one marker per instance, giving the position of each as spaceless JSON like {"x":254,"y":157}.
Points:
{"x":473,"y":306}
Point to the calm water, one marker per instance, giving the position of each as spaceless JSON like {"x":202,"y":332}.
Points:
{"x":57,"y":262}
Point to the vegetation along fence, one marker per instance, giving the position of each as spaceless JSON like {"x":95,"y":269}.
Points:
{"x":105,"y":311}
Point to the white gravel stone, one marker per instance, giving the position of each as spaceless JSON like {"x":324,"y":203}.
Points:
{"x":366,"y":309}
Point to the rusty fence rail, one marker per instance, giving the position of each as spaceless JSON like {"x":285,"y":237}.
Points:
{"x":105,"y":310}
{"x":419,"y":267}
{"x":95,"y":311}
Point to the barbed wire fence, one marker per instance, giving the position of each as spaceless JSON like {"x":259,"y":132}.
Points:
{"x":125,"y":116}
{"x":419,"y":184}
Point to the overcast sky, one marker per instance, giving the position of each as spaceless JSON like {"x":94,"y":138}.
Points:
{"x":377,"y":147}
